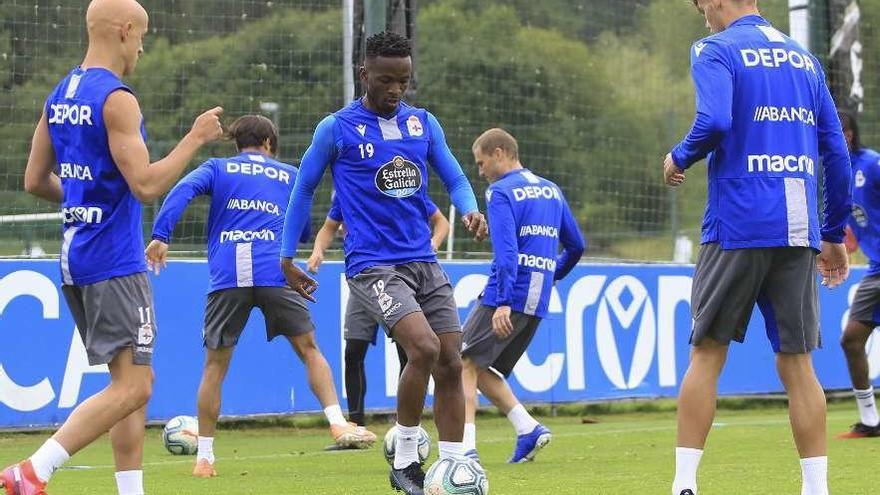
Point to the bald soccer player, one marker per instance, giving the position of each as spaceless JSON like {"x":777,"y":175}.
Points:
{"x":92,"y":119}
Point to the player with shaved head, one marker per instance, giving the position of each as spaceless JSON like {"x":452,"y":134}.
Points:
{"x":89,"y":153}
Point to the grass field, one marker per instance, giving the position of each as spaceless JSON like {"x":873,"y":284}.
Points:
{"x":749,"y":452}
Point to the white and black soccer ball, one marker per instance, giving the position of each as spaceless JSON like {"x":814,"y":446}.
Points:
{"x":181,"y":435}
{"x":388,"y":446}
{"x":456,"y":476}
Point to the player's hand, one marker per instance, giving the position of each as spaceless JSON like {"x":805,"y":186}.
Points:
{"x":672,"y":175}
{"x":315,"y":261}
{"x":850,"y":240}
{"x":476,"y":224}
{"x":298,"y":280}
{"x":833,"y":264}
{"x":156,"y":255}
{"x":502,"y":327}
{"x":207,"y":126}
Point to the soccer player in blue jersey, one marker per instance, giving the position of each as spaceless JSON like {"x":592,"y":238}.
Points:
{"x":528,"y":219}
{"x":766,"y":121}
{"x":379,"y":149}
{"x":248,"y":193}
{"x":864,"y":313}
{"x":89,"y":154}
{"x":360,"y":328}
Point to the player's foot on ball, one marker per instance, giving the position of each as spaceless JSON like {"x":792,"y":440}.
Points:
{"x":20,"y":479}
{"x":352,"y":436}
{"x":204,"y":469}
{"x":409,"y":480}
{"x":861,"y":430}
{"x":528,"y":445}
{"x":472,"y":454}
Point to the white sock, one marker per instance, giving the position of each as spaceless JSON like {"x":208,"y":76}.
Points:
{"x":334,"y":415}
{"x":406,"y":450}
{"x":686,"y":463}
{"x":48,"y":458}
{"x":206,"y":449}
{"x":522,"y":421}
{"x":814,"y":471}
{"x":470,"y":436}
{"x":130,"y":482}
{"x":450,"y":449}
{"x":867,"y":407}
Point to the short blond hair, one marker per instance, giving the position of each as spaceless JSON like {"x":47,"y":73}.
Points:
{"x":497,"y":138}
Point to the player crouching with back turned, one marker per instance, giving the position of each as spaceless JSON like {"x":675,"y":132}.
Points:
{"x":249,"y":194}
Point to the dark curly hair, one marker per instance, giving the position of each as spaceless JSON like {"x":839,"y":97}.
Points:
{"x":388,"y":44}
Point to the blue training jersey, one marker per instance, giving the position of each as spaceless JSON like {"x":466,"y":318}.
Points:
{"x":528,"y":218}
{"x":102,"y":235}
{"x":380,"y":170}
{"x":335,"y":213}
{"x":766,"y":120}
{"x":249,"y":194}
{"x":865,"y":218}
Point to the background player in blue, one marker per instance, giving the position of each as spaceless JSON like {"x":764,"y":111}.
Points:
{"x":248,"y":194}
{"x":89,"y":154}
{"x":379,"y":149}
{"x":766,"y":120}
{"x":528,"y":219}
{"x":864,"y":313}
{"x":360,"y":328}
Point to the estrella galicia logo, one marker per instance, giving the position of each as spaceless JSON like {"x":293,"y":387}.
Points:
{"x":399,"y":178}
{"x":859,"y":215}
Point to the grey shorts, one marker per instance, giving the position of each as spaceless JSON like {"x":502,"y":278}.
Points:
{"x":359,"y":323}
{"x":782,"y":281}
{"x":865,"y":307}
{"x":228,"y":311}
{"x":113,"y":315}
{"x":391,"y":292}
{"x":486,"y":350}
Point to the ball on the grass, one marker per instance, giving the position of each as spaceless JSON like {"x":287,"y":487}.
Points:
{"x":388,"y":446}
{"x":181,"y":435}
{"x":456,"y":476}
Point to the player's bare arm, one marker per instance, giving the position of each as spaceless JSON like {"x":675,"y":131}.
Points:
{"x":322,"y":242}
{"x":148,"y":181}
{"x":439,"y":229}
{"x":39,"y":175}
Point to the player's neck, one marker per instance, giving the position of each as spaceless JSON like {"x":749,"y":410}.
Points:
{"x":369,"y":105}
{"x":98,"y":58}
{"x":253,"y":149}
{"x":512,"y":168}
{"x":741,"y":12}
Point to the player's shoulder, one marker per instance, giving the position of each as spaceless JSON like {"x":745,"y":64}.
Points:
{"x":283,"y":165}
{"x":870,"y":157}
{"x":714,"y":44}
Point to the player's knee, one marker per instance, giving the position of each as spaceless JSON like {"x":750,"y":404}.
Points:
{"x":424,"y":354}
{"x":305,"y":345}
{"x":852,"y":343}
{"x":137,"y":393}
{"x":449,"y":367}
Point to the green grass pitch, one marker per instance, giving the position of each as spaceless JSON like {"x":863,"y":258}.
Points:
{"x":749,"y":452}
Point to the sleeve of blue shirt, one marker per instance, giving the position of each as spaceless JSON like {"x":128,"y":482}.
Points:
{"x":317,"y":157}
{"x":713,"y":80}
{"x":573,"y":243}
{"x":502,"y":231}
{"x":432,"y":208}
{"x":449,"y":170}
{"x":335,"y":212}
{"x":836,"y":166}
{"x":196,"y":183}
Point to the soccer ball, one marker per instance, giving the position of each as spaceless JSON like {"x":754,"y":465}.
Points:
{"x":388,"y":446}
{"x":181,"y":435}
{"x":456,"y":476}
